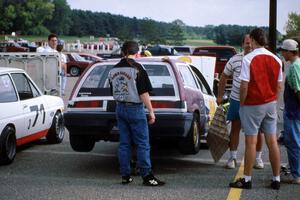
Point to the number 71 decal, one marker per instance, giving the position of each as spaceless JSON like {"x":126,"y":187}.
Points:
{"x":36,"y":109}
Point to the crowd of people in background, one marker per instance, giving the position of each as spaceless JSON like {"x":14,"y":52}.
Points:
{"x":257,"y":82}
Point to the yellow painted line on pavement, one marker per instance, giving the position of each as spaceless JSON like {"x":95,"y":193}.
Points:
{"x":235,"y":193}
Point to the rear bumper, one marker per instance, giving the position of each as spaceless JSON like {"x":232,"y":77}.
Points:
{"x":100,"y":125}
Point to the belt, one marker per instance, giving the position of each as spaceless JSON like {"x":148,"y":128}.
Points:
{"x":128,"y":103}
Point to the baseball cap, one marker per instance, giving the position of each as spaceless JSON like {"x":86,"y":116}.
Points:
{"x":60,"y":42}
{"x":289,"y":45}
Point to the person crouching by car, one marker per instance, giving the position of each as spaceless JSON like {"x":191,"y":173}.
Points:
{"x":130,"y":86}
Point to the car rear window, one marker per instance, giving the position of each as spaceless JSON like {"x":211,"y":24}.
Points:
{"x":96,"y":83}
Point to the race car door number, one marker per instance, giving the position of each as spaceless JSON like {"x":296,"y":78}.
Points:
{"x":36,"y":109}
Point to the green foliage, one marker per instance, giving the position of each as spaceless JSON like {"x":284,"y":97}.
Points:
{"x":176,"y":35}
{"x":7,"y":16}
{"x":26,"y":17}
{"x":39,"y":17}
{"x":293,"y":25}
{"x":39,"y":30}
{"x":31,"y":15}
{"x":61,"y":18}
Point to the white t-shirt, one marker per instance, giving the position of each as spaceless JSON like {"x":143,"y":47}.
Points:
{"x":245,"y":72}
{"x":48,"y":49}
{"x":233,"y":68}
{"x":63,"y":57}
{"x":40,"y":49}
{"x":262,"y":70}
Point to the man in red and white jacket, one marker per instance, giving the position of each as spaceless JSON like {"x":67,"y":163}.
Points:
{"x":261,"y":78}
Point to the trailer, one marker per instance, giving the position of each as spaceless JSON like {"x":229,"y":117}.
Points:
{"x":43,"y":68}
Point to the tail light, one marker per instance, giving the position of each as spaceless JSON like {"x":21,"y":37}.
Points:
{"x":168,"y":104}
{"x":88,"y":104}
{"x":155,"y":104}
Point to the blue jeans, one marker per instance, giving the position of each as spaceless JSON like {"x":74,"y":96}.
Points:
{"x":291,"y":138}
{"x":133,"y":127}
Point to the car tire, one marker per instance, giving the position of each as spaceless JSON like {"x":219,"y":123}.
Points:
{"x":8,"y":146}
{"x":81,"y":143}
{"x":191,"y":143}
{"x":74,"y":71}
{"x":57,"y":130}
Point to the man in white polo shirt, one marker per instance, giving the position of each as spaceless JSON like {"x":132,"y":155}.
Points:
{"x":52,"y":44}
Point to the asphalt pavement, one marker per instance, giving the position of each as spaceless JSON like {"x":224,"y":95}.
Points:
{"x":44,"y":171}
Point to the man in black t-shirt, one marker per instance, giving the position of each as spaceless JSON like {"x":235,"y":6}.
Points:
{"x":130,"y":86}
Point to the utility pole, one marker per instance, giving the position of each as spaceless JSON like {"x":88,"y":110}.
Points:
{"x":272,"y":25}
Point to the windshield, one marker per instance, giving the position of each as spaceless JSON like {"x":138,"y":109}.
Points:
{"x":77,"y":57}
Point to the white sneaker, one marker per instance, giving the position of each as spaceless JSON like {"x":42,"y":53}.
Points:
{"x":290,"y":179}
{"x":296,"y":181}
{"x":259,"y":164}
{"x":231,"y":163}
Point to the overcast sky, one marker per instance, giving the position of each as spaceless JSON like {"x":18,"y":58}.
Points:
{"x":196,"y":12}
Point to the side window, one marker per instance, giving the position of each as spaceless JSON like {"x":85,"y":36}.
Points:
{"x":35,"y":92}
{"x":23,"y":86}
{"x":7,"y":90}
{"x":187,"y":76}
{"x":202,"y":82}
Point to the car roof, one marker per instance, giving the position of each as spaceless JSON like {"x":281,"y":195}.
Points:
{"x":215,"y":47}
{"x":89,"y":54}
{"x":148,"y":59}
{"x":184,"y":46}
{"x":9,"y":69}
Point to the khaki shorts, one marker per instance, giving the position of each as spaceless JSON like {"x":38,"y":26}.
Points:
{"x":259,"y":118}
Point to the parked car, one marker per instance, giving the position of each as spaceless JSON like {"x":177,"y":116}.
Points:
{"x":90,"y":57}
{"x":31,"y":46}
{"x":182,"y":100}
{"x":184,"y":50}
{"x":26,"y":114}
{"x":12,"y":47}
{"x":114,"y":54}
{"x":222,"y":53}
{"x":162,"y":50}
{"x":76,"y":64}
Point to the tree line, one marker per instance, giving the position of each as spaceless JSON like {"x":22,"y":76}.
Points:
{"x":40,"y":17}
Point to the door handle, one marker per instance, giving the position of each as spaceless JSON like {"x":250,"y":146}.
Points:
{"x":25,"y":106}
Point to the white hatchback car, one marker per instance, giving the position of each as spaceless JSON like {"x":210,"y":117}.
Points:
{"x":26,"y":114}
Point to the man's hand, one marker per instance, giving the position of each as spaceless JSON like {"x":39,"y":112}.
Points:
{"x":243,"y":92}
{"x":151,"y":119}
{"x":221,"y":88}
{"x":219,"y":100}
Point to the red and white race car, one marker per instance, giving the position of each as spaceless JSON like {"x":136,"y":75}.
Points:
{"x":26,"y":114}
